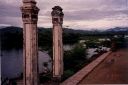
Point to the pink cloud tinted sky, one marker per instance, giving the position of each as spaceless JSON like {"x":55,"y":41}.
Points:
{"x":79,"y":14}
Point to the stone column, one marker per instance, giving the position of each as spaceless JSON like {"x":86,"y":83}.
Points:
{"x":30,"y":43}
{"x":57,"y":20}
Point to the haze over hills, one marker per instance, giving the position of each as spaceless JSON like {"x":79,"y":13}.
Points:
{"x":116,"y":29}
{"x":13,"y":29}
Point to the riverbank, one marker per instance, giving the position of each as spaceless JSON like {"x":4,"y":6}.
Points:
{"x":76,"y":78}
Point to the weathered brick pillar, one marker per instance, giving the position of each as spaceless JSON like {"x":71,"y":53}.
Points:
{"x":57,"y":20}
{"x":30,"y":43}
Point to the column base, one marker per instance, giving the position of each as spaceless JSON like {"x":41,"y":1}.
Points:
{"x":56,"y":80}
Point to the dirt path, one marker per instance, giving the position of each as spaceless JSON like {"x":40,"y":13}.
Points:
{"x":113,"y":70}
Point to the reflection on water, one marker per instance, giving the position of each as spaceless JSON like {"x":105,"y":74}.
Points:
{"x":68,"y":47}
{"x":94,"y":51}
{"x":12,"y":61}
{"x":90,"y":51}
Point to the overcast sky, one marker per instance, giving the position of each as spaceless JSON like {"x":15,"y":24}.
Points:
{"x":79,"y":14}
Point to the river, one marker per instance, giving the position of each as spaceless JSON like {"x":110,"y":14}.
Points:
{"x":12,"y":61}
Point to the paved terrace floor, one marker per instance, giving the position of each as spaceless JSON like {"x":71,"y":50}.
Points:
{"x":113,"y":70}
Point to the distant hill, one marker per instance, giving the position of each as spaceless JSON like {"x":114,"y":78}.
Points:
{"x":14,"y":29}
{"x":1,"y":27}
{"x":10,"y":29}
{"x":118,"y":29}
{"x":13,"y":36}
{"x":112,"y":31}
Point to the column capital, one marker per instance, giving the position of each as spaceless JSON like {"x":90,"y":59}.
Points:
{"x":57,"y":11}
{"x":29,"y":11}
{"x":57,"y":15}
{"x":29,"y":1}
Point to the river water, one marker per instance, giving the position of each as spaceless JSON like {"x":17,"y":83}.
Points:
{"x":12,"y":61}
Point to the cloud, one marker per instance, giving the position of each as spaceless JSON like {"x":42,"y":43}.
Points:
{"x":78,"y":13}
{"x":93,"y":14}
{"x":14,"y":21}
